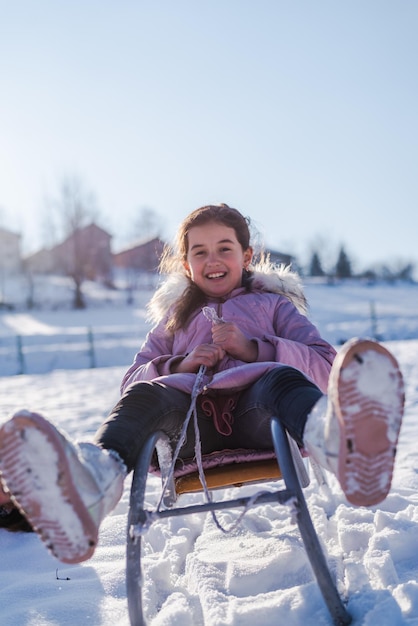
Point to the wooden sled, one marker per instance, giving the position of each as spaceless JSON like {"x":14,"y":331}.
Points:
{"x":226,"y":469}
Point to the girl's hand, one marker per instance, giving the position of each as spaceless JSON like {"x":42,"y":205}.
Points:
{"x":207,"y":354}
{"x":229,"y":337}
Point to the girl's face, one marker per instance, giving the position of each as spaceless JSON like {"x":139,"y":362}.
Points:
{"x":215,"y":259}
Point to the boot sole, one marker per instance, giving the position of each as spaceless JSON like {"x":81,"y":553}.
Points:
{"x":35,"y":470}
{"x":367,"y":392}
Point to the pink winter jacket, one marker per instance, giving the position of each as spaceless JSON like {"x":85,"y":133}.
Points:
{"x":266,"y":315}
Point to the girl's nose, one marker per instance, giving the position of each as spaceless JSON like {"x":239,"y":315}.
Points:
{"x":212,"y":258}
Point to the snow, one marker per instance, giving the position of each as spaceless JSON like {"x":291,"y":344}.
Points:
{"x":193,"y":573}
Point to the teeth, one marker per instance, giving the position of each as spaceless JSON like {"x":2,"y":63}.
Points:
{"x":216,"y":275}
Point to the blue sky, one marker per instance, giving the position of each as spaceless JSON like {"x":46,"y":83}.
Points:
{"x":302,"y":114}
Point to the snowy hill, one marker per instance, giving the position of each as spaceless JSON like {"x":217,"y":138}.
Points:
{"x":195,"y":575}
{"x":108,"y":332}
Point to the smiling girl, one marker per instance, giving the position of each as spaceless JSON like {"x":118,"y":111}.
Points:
{"x":261,"y":357}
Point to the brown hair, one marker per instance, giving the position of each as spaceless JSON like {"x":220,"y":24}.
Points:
{"x":173,"y":259}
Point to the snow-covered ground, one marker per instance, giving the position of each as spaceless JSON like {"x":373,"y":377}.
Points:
{"x":194,"y":574}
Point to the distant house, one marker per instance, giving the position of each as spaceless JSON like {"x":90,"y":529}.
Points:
{"x":85,"y":253}
{"x":143,"y":256}
{"x":41,"y":262}
{"x":137,"y":265}
{"x":10,"y":254}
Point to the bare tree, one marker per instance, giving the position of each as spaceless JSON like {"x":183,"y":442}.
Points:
{"x":77,"y":207}
{"x":148,"y":223}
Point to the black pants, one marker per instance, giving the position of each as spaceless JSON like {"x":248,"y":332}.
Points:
{"x":147,"y":407}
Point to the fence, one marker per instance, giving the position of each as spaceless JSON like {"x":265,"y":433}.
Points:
{"x":72,"y":349}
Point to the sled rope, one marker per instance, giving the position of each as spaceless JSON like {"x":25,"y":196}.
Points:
{"x":202,"y":477}
{"x":192,"y":410}
{"x":211,"y":315}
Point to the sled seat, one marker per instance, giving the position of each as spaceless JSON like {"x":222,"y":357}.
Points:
{"x":232,"y":475}
{"x":225,"y":468}
{"x":222,"y":469}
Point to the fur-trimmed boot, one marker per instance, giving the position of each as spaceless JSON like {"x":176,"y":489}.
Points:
{"x":353,"y":432}
{"x":64,"y":490}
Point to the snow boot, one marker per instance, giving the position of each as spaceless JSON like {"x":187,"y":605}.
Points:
{"x":63,"y":490}
{"x":353,"y":431}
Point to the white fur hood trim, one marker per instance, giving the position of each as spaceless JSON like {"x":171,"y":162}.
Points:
{"x":267,"y":277}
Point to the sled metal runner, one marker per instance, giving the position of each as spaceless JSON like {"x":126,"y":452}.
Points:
{"x":139,"y":520}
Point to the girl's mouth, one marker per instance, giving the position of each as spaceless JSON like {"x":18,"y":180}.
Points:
{"x":216,"y":275}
